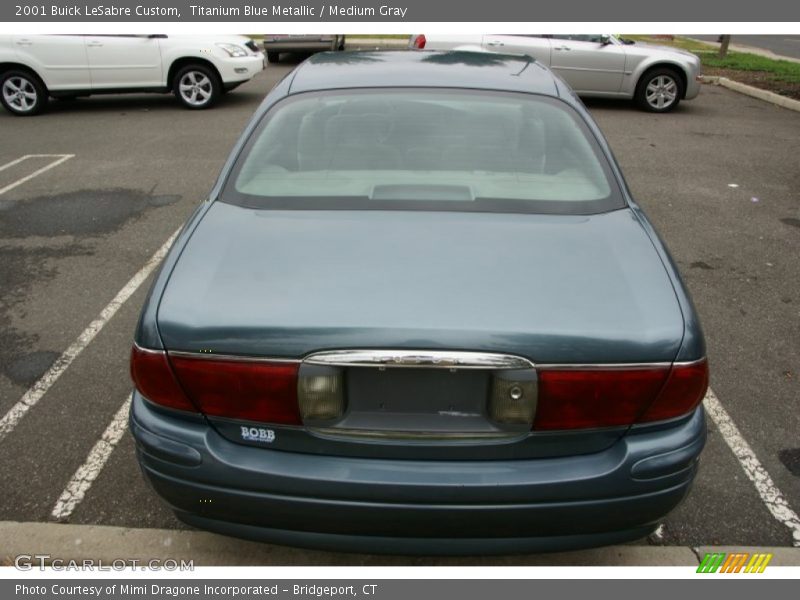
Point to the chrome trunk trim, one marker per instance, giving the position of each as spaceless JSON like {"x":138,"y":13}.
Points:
{"x":231,"y":357}
{"x":439,"y":359}
{"x":616,"y":366}
{"x":418,"y":359}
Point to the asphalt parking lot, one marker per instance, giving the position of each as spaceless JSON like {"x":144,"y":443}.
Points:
{"x":719,"y":177}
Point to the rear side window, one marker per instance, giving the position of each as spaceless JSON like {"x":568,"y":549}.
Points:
{"x":427,"y":149}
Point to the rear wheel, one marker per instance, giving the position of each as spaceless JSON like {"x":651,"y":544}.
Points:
{"x":273,"y":57}
{"x":22,"y":93}
{"x":197,"y":87}
{"x":659,"y":90}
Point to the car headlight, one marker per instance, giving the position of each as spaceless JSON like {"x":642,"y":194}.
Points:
{"x":233,"y":49}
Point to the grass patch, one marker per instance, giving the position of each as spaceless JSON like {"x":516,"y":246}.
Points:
{"x":783,"y":71}
{"x":676,"y":42}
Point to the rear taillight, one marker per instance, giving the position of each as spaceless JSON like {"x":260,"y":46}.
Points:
{"x":260,"y":391}
{"x":154,"y":379}
{"x":579,"y":399}
{"x":608,"y":397}
{"x":419,"y":42}
{"x":683,"y":392}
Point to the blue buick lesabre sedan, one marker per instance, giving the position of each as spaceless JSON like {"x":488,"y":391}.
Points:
{"x":420,"y":313}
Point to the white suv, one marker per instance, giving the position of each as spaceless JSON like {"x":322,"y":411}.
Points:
{"x":197,"y":69}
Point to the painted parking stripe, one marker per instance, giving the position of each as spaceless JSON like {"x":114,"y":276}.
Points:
{"x":60,"y":158}
{"x":15,"y":162}
{"x":771,"y":496}
{"x":86,"y":474}
{"x":8,"y":165}
{"x":39,"y":389}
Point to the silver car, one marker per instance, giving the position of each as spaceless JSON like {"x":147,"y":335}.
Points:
{"x":657,"y":78}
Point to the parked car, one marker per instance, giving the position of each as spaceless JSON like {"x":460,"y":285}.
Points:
{"x":420,"y":312}
{"x":657,"y":78}
{"x":198,"y":69}
{"x":275,"y":44}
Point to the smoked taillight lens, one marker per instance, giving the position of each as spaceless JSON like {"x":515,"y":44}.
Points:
{"x":608,"y":397}
{"x":320,"y":393}
{"x":155,"y":380}
{"x":513,"y":397}
{"x":260,"y":391}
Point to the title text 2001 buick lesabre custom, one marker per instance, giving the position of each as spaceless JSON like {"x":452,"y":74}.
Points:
{"x":420,"y":312}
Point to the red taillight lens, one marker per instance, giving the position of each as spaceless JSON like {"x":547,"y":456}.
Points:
{"x":579,"y":399}
{"x":684,"y":390}
{"x":252,"y":391}
{"x":154,"y":379}
{"x":588,"y":398}
{"x":420,"y":41}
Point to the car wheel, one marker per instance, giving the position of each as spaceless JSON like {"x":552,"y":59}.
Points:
{"x":22,"y":93}
{"x":273,"y":57}
{"x":659,"y":90}
{"x":197,"y":87}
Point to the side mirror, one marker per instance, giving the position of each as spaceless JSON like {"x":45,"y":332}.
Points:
{"x":605,"y":39}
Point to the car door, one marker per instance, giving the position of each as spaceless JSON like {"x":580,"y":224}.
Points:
{"x":60,"y":60}
{"x":535,"y":46}
{"x":588,"y":64}
{"x":124,"y":61}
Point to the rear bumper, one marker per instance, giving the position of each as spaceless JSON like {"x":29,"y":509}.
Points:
{"x":380,"y":505}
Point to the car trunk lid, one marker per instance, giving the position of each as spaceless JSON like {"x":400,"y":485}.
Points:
{"x":552,"y":288}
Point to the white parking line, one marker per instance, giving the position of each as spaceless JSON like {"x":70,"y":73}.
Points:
{"x":15,"y":162}
{"x":771,"y":496}
{"x":60,"y":159}
{"x":86,"y":474}
{"x":39,"y":389}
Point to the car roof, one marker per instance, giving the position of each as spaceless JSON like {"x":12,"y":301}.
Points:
{"x":422,"y":68}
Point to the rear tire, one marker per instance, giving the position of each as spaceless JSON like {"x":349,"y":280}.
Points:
{"x":22,"y":93}
{"x":659,"y":90}
{"x":197,"y":87}
{"x":273,"y":57}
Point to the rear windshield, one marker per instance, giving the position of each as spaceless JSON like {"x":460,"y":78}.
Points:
{"x":406,"y":149}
